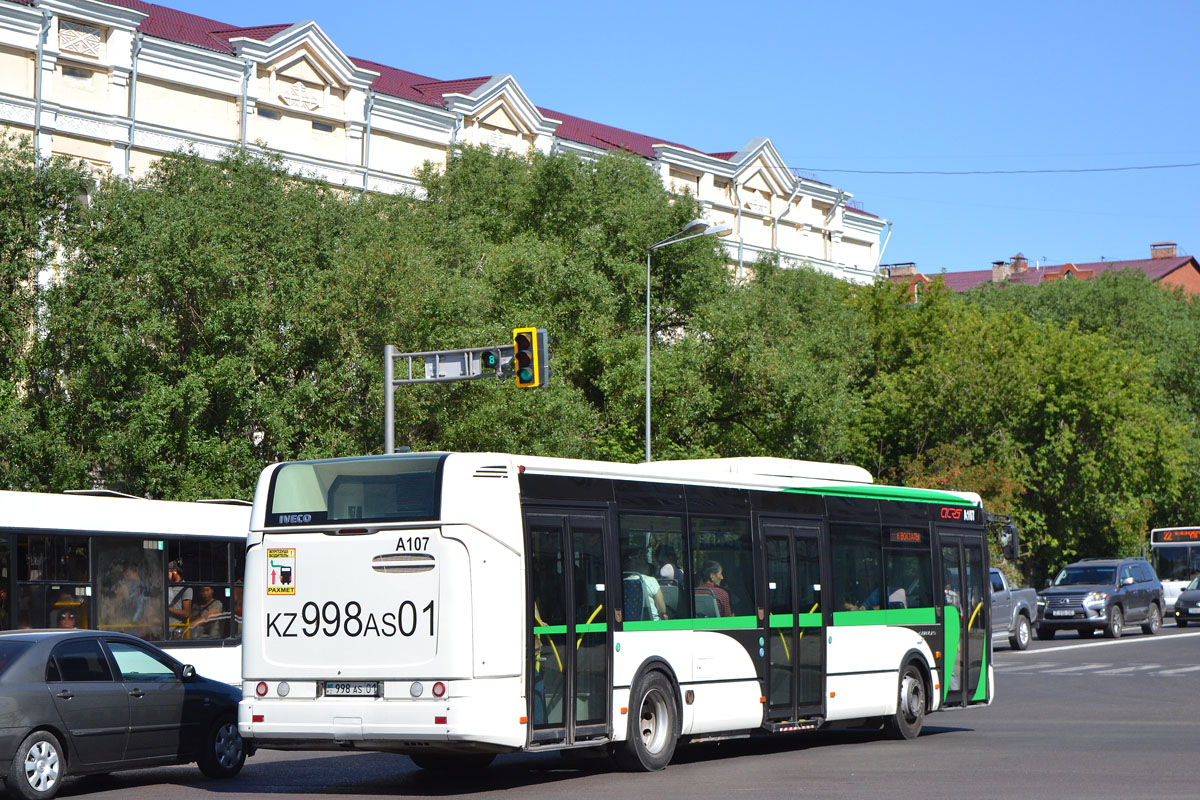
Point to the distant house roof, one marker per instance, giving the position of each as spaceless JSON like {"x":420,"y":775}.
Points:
{"x":1154,"y":268}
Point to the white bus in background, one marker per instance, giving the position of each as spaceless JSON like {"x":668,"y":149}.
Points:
{"x":452,"y":606}
{"x":1175,"y":553}
{"x":102,"y":560}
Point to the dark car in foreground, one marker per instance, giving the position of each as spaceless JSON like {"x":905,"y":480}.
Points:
{"x":1101,"y":594}
{"x":1187,"y":605}
{"x":74,"y":702}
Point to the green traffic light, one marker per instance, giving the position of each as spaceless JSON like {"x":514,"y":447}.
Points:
{"x":525,"y":375}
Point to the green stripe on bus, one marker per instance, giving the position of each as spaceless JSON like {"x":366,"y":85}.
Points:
{"x":981,"y":689}
{"x":888,"y":493}
{"x":701,"y":624}
{"x":803,"y":620}
{"x":953,"y":621}
{"x":886,"y":616}
{"x":550,"y":630}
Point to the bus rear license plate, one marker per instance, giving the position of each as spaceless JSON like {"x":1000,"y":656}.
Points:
{"x":1062,"y":613}
{"x":352,"y":688}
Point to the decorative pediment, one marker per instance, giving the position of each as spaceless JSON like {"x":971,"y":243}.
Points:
{"x":304,"y":53}
{"x":501,"y":96}
{"x":499,"y":118}
{"x":760,"y":161}
{"x":302,"y":69}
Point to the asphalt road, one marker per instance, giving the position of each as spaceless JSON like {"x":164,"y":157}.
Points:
{"x":1073,"y":718}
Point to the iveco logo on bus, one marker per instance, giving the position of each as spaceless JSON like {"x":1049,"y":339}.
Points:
{"x":294,"y":519}
{"x":964,"y":514}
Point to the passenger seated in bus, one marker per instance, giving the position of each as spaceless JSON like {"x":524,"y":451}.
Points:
{"x":668,"y":561}
{"x":179,"y":601}
{"x":208,"y":614}
{"x":714,"y":575}
{"x":869,"y":602}
{"x":653,"y":604}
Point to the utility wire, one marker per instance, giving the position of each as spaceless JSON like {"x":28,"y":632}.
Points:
{"x":819,"y":170}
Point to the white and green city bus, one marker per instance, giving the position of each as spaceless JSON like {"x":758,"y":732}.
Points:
{"x":103,"y":560}
{"x":452,"y":606}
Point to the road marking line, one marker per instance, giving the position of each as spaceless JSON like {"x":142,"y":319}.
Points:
{"x":1179,"y":671}
{"x":1142,"y":638}
{"x":1133,"y":669}
{"x":1079,"y":668}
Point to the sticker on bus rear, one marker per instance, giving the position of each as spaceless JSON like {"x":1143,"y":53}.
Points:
{"x":281,"y":570}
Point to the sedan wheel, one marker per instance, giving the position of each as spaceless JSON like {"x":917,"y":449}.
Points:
{"x":224,"y":751}
{"x":37,"y":768}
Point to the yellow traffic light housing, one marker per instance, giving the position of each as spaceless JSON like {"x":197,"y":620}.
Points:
{"x":530,"y":357}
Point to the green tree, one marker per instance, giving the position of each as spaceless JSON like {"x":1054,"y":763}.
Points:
{"x":40,"y":203}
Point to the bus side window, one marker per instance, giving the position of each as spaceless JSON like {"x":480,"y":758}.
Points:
{"x":857,"y":566}
{"x":725,"y":542}
{"x":651,"y":554}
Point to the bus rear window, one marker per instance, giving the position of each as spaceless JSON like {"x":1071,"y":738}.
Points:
{"x":378,"y":489}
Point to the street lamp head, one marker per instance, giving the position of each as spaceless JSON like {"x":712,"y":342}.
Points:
{"x":695,"y":226}
{"x":718,"y":230}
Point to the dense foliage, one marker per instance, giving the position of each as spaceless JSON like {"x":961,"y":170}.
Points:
{"x":213,"y":317}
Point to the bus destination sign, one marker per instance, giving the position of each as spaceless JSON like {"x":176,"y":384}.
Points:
{"x":1175,"y":536}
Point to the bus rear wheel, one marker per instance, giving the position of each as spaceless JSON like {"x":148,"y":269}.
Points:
{"x":653,"y":724}
{"x":910,"y":709}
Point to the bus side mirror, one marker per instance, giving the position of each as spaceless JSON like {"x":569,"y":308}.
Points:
{"x":1010,"y":541}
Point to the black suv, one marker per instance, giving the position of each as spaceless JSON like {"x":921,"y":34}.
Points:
{"x":1101,"y":594}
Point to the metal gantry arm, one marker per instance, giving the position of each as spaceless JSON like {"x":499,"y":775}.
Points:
{"x":439,"y":366}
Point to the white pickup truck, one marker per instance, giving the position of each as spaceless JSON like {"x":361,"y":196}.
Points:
{"x":1013,"y":611}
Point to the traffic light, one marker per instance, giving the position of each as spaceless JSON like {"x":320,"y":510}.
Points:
{"x":531,"y":356}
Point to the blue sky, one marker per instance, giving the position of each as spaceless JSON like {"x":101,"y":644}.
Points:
{"x":886,"y":87}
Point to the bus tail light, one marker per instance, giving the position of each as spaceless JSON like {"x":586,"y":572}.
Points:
{"x":257,"y":718}
{"x":439,"y":689}
{"x":261,"y":689}
{"x":439,"y":720}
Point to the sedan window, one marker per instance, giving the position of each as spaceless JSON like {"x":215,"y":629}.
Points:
{"x":137,"y":664}
{"x":79,"y":660}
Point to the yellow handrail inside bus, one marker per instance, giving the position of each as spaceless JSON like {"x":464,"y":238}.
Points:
{"x":553,"y":647}
{"x":786,"y":652}
{"x":971,"y":621}
{"x":579,"y":641}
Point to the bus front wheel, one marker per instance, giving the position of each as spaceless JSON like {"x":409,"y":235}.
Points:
{"x":910,"y":708}
{"x":653,"y":724}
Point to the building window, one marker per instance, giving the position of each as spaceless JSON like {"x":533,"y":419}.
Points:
{"x":76,"y":72}
{"x":323,"y":127}
{"x":269,"y":113}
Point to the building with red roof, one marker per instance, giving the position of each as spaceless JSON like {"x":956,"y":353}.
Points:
{"x":119,"y":83}
{"x":1165,"y":266}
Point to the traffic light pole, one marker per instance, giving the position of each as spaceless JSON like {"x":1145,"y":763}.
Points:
{"x":440,"y":366}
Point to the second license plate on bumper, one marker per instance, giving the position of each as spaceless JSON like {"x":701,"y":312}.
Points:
{"x":352,"y":688}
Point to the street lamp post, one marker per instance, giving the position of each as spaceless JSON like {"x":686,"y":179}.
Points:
{"x":692,"y":230}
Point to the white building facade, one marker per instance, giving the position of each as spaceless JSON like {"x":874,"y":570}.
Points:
{"x":121,"y":83}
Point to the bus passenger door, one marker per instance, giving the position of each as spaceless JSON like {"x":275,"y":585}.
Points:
{"x":794,"y":627}
{"x":569,"y":647}
{"x":965,"y":614}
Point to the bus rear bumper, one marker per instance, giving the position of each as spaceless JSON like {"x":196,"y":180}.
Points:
{"x":378,"y":724}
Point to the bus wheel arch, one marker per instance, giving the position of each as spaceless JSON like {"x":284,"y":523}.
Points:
{"x":912,"y":699}
{"x":654,"y":719}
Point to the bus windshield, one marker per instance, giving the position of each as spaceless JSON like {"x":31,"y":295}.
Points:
{"x":396,"y":488}
{"x":1085,"y":576}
